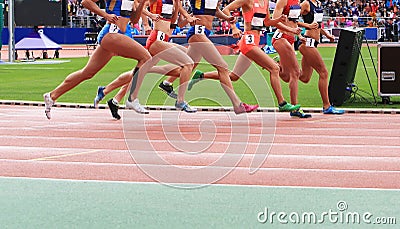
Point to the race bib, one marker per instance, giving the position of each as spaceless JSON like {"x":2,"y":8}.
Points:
{"x":318,"y":16}
{"x":211,"y":4}
{"x":161,"y":36}
{"x":199,"y":29}
{"x":249,"y":38}
{"x":294,"y":12}
{"x":257,"y":21}
{"x":113,"y":28}
{"x":126,"y":5}
{"x":277,"y":35}
{"x":310,"y":42}
{"x":167,"y":8}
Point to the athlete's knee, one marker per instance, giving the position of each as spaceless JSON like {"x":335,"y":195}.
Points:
{"x":274,"y":70}
{"x":304,"y":79}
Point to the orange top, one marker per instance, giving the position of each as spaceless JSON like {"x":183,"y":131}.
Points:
{"x":256,"y":9}
{"x":156,"y":7}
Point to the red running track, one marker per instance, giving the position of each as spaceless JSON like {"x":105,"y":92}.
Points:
{"x":352,"y":150}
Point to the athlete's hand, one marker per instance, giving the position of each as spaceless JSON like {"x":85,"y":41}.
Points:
{"x":236,"y":33}
{"x":282,"y":18}
{"x":331,"y":37}
{"x":313,"y":25}
{"x":302,"y":39}
{"x":296,"y":31}
{"x":232,"y":19}
{"x":155,"y":17}
{"x":112,"y":18}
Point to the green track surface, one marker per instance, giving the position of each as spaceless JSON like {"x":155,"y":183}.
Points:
{"x":29,"y":82}
{"x":41,"y":203}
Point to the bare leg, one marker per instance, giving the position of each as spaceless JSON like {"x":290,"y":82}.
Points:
{"x":312,"y":59}
{"x":290,"y":67}
{"x":97,"y":61}
{"x":165,"y":51}
{"x":200,"y":44}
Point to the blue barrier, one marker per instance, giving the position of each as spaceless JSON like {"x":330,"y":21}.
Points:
{"x":58,"y":35}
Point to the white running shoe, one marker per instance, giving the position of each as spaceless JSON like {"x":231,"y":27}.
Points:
{"x":136,"y":106}
{"x":48,"y":103}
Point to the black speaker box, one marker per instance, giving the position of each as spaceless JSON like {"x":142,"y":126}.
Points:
{"x":345,"y":65}
{"x":388,"y":69}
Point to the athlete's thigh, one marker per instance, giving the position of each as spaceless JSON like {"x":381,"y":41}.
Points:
{"x":208,"y":51}
{"x":241,"y":65}
{"x":306,"y":60}
{"x":287,"y":54}
{"x":100,"y":57}
{"x":169,"y":52}
{"x":262,"y":59}
{"x":124,"y":46}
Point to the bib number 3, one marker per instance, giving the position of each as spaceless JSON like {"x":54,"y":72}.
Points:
{"x":249,"y":39}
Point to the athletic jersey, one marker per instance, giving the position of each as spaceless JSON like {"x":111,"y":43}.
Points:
{"x":256,"y":15}
{"x":204,"y":7}
{"x":119,"y":7}
{"x":315,"y":15}
{"x":163,"y":8}
{"x":292,"y":10}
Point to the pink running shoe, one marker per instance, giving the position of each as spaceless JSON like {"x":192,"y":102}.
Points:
{"x":245,"y":108}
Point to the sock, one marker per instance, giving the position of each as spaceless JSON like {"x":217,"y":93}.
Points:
{"x":166,"y":83}
{"x":115,"y":102}
{"x":134,"y":82}
{"x":283,"y":103}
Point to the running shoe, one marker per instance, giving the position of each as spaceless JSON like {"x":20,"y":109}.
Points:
{"x":245,"y":108}
{"x":289,"y":107}
{"x":114,"y":109}
{"x":300,"y":113}
{"x":99,"y":96}
{"x":48,"y":103}
{"x":277,"y":58}
{"x":169,"y":89}
{"x":332,"y":110}
{"x":198,"y":75}
{"x":136,"y":106}
{"x":184,"y":106}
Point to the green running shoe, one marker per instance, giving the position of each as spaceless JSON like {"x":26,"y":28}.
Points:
{"x":198,"y":75}
{"x":289,"y":107}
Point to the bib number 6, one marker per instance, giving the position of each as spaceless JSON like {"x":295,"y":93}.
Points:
{"x":160,"y":36}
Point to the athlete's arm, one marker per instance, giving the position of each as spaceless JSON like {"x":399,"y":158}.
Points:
{"x":137,"y":11}
{"x":278,"y":11}
{"x":176,"y":10}
{"x":93,"y":7}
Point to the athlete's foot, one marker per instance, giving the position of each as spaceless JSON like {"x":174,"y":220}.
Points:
{"x":285,"y":106}
{"x":299,"y":113}
{"x":48,"y":103}
{"x":245,"y":108}
{"x":136,"y":106}
{"x":168,"y":89}
{"x":198,"y":75}
{"x":184,"y":106}
{"x":113,"y":105}
{"x":99,"y":96}
{"x":332,"y":110}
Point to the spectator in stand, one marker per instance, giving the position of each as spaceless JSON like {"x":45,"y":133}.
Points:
{"x":331,"y":23}
{"x":226,"y":27}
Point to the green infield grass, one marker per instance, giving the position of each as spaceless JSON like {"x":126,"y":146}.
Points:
{"x":28,"y":82}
